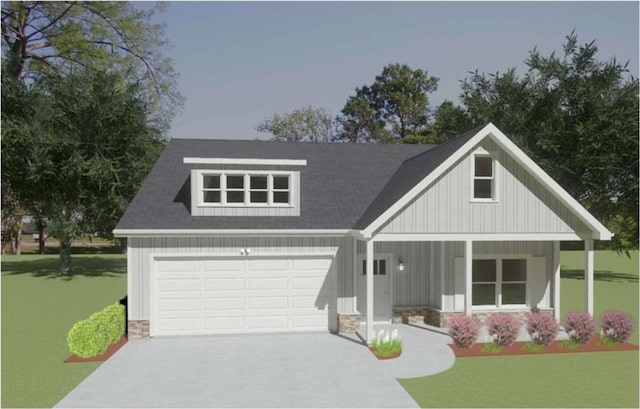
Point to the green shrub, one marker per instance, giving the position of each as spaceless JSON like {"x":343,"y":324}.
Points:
{"x":114,"y":321}
{"x":86,"y":339}
{"x":93,"y":336}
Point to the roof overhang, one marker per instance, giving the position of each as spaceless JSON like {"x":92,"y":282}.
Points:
{"x":600,"y":232}
{"x":230,"y":232}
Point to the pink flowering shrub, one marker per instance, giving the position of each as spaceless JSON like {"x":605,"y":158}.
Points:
{"x":503,"y":328}
{"x":616,"y":325}
{"x":542,"y":328}
{"x":580,"y":327}
{"x":464,"y":330}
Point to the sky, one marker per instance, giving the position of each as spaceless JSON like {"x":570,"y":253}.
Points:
{"x":241,"y":62}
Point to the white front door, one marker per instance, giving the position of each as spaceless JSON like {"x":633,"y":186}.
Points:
{"x":381,"y":288}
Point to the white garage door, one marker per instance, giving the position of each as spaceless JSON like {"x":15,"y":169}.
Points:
{"x":212,"y":296}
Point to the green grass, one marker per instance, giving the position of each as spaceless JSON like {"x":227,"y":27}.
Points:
{"x":38,"y":309}
{"x":589,"y":380}
{"x":604,"y":379}
{"x":616,"y":284}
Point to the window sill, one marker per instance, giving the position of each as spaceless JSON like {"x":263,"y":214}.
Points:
{"x":484,"y":201}
{"x":489,"y":308}
{"x":245,"y":206}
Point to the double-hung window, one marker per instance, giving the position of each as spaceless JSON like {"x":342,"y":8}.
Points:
{"x":499,"y":282}
{"x":246,"y":189}
{"x":483,"y":178}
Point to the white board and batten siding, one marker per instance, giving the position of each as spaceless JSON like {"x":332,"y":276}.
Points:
{"x":523,"y":205}
{"x":539,"y":269}
{"x":148,"y":257}
{"x":293,"y":210}
{"x":418,"y":284}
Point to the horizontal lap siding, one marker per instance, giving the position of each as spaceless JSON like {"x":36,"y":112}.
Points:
{"x":524,"y":205}
{"x":140,"y":250}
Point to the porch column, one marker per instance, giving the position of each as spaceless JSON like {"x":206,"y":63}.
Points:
{"x":556,"y":280}
{"x":588,"y":275}
{"x":468,"y":263}
{"x":369,"y":264}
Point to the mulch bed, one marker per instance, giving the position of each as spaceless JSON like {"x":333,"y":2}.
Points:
{"x":373,"y":351}
{"x":518,"y":348}
{"x":99,"y":358}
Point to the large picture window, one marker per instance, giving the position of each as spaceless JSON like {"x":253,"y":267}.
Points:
{"x":245,"y":189}
{"x":499,"y":282}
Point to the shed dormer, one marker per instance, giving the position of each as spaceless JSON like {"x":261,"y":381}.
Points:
{"x":245,"y":187}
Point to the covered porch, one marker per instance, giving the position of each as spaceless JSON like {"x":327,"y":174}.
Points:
{"x":434,"y":277}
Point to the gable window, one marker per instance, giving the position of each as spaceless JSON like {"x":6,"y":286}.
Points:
{"x":379,"y":267}
{"x":499,"y":282}
{"x":245,"y":189}
{"x":483,"y":178}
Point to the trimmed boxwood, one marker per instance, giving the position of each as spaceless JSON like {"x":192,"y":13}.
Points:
{"x":92,"y":336}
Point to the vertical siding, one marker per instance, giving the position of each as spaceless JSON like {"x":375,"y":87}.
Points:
{"x":411,"y":287}
{"x":141,"y":249}
{"x":523,"y":204}
{"x":294,"y":210}
{"x":528,"y":248}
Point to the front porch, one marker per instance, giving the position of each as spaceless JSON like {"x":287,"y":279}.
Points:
{"x":431,"y":281}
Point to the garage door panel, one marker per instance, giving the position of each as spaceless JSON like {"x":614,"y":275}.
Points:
{"x":268,"y":302}
{"x":267,"y":265}
{"x":224,"y":323}
{"x":307,"y":283}
{"x":267,"y":283}
{"x":241,"y":295}
{"x":178,"y":266}
{"x":303,"y":301}
{"x":310,"y":264}
{"x":221,"y":284}
{"x":179,"y":284}
{"x":223,"y":265}
{"x":179,"y":304}
{"x":224,"y":303}
{"x":179,"y":324}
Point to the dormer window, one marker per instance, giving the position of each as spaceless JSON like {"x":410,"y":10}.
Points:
{"x":483,"y":178}
{"x":245,"y":189}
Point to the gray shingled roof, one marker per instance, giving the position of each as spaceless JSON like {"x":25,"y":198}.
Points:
{"x":343,"y":186}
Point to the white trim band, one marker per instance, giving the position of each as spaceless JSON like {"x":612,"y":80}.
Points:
{"x":243,"y":161}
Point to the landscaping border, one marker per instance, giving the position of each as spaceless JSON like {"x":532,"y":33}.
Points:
{"x":112,"y":349}
{"x":556,"y":347}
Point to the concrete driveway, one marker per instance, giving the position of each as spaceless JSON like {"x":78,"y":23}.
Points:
{"x":275,"y":370}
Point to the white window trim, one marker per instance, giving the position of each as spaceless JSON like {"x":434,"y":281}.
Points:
{"x":247,"y":188}
{"x":481,"y":152}
{"x":498,"y":283}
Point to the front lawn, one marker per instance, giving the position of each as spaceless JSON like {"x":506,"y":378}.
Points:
{"x":605,"y":379}
{"x":578,"y":380}
{"x":38,"y":309}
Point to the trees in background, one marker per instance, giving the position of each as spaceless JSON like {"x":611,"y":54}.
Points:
{"x":87,"y":96}
{"x":577,"y":117}
{"x":60,"y":37}
{"x":392,"y":108}
{"x":80,"y":152}
{"x":307,"y":124}
{"x":573,"y":114}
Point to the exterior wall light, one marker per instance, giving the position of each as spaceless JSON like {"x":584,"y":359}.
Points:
{"x":400,"y":264}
